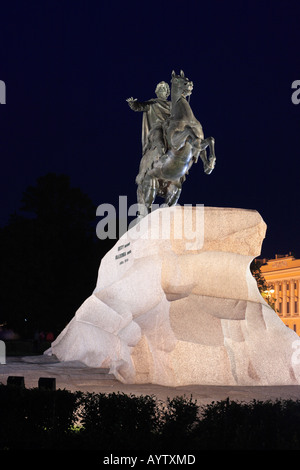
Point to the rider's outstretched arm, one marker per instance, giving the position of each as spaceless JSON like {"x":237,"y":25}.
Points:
{"x":136,"y":105}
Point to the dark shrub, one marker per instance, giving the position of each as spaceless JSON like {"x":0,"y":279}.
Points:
{"x":178,"y":420}
{"x":45,"y":419}
{"x":118,"y":421}
{"x":33,"y":417}
{"x":255,"y":425}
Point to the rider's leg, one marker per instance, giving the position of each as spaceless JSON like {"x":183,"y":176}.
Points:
{"x":179,"y":138}
{"x":157,"y":141}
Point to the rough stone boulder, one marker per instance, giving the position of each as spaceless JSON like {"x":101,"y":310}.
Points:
{"x":176,"y":304}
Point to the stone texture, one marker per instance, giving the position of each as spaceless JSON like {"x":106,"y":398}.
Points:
{"x":176,"y":304}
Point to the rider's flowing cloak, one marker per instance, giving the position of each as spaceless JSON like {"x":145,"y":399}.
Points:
{"x":156,"y":111}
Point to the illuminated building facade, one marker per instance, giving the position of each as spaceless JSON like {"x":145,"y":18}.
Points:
{"x":282,"y":276}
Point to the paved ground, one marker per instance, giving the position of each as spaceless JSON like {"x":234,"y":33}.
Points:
{"x":76,"y":376}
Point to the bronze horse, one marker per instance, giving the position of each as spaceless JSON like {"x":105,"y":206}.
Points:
{"x":184,"y":141}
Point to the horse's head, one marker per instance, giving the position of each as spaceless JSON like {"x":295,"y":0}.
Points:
{"x":181,"y":85}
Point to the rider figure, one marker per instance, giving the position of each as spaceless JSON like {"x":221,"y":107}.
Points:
{"x":155,"y":112}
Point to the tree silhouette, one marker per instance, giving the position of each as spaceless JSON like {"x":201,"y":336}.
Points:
{"x":256,"y":273}
{"x":261,"y":282}
{"x":49,"y":256}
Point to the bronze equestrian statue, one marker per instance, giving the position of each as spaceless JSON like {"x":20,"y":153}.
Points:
{"x":173,"y":143}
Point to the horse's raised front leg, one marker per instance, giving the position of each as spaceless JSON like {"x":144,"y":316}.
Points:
{"x":208,"y":163}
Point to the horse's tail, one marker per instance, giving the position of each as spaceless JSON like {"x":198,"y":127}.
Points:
{"x":140,"y":194}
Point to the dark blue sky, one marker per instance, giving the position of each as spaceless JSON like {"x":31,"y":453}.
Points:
{"x":69,"y":67}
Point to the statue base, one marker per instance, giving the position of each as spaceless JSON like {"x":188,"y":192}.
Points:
{"x":176,"y":304}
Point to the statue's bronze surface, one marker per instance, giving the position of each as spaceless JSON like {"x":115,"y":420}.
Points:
{"x":172,"y":140}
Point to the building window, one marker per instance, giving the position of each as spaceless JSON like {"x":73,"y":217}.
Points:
{"x":288,"y":307}
{"x":296,"y":306}
{"x":295,"y":328}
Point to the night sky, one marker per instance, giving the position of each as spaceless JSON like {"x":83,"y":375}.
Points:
{"x":69,"y":67}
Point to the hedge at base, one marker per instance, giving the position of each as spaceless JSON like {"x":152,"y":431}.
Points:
{"x":42,"y":419}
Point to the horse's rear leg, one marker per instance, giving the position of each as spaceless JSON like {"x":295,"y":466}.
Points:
{"x":146,"y":194}
{"x":172,"y":195}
